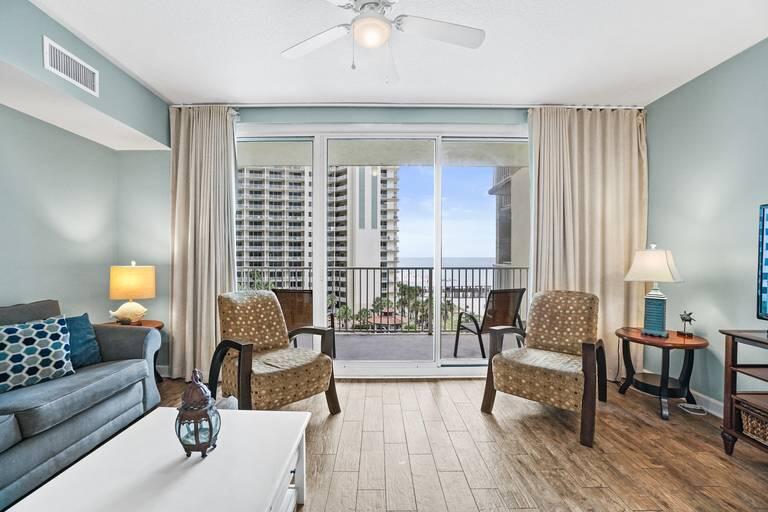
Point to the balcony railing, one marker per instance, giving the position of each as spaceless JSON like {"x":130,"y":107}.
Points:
{"x":399,"y":299}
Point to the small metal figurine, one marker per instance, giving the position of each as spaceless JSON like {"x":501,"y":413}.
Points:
{"x":687,"y":319}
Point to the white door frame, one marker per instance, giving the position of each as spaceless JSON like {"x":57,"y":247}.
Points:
{"x":320,"y":134}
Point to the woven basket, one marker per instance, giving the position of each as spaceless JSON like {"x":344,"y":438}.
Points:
{"x":755,"y":425}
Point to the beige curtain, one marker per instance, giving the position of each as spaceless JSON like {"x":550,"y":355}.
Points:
{"x":591,"y":210}
{"x":203,"y":241}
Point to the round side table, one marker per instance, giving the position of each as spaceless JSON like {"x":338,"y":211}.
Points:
{"x":662,"y":386}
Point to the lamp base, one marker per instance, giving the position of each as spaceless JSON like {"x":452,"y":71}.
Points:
{"x":128,"y":313}
{"x":655,"y":322}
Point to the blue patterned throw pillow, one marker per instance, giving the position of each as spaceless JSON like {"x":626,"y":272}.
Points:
{"x":34,"y":352}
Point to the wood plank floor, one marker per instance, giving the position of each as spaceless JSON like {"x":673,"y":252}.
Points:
{"x":425,"y":446}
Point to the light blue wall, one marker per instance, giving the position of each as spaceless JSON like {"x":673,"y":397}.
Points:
{"x":383,"y":115}
{"x":708,"y":172}
{"x":70,"y":208}
{"x":57,"y":204}
{"x":22,"y":26}
{"x":144,"y":224}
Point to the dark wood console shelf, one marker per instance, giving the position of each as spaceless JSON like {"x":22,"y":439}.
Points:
{"x":734,"y":401}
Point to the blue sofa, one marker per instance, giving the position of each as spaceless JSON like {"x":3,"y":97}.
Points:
{"x":46,"y":427}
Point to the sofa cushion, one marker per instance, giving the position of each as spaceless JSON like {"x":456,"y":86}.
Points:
{"x":38,"y":408}
{"x":9,"y":431}
{"x":20,"y":313}
{"x":82,"y":341}
{"x":31,"y":462}
{"x":34,"y":352}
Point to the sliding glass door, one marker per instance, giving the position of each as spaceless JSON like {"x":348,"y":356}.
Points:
{"x":485,"y":194}
{"x":379,"y":248}
{"x":353,"y":220}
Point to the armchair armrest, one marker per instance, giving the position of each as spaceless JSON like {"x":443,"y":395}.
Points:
{"x":244,"y":363}
{"x":497,"y":338}
{"x":326,"y":343}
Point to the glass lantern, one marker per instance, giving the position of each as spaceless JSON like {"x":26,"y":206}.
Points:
{"x":198,"y":422}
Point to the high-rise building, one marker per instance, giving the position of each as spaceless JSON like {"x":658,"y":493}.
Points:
{"x":362,"y":233}
{"x":274,"y":229}
{"x":273,"y":225}
{"x":511,"y":189}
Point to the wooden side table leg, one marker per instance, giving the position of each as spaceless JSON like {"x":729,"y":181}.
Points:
{"x":729,"y":420}
{"x":628,"y":367}
{"x":728,"y":442}
{"x":685,"y":376}
{"x":664,"y":391}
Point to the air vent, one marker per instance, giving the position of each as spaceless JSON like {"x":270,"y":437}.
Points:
{"x":69,"y":67}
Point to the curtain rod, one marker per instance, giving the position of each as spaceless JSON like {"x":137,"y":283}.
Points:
{"x":402,"y":105}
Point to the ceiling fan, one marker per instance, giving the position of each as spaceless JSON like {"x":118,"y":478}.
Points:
{"x":371,"y":28}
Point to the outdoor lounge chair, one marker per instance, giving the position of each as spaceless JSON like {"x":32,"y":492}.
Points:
{"x":501,"y":309}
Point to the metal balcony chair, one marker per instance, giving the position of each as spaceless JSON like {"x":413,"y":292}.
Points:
{"x":501,"y":309}
{"x":561,"y":362}
{"x":297,"y":310}
{"x":257,"y":364}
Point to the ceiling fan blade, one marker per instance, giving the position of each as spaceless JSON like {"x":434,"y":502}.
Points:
{"x":315,"y":42}
{"x":453,"y":33}
{"x":344,"y":4}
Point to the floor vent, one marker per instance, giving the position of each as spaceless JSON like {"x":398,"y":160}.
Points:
{"x":69,"y":67}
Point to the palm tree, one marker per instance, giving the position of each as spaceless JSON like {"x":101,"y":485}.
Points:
{"x":447,"y":310}
{"x":379,"y":304}
{"x":344,"y":314}
{"x":257,"y":281}
{"x":332,"y":300}
{"x":362,"y":317}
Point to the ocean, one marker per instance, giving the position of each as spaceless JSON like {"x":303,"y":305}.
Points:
{"x":447,"y":262}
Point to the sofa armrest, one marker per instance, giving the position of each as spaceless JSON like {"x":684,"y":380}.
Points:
{"x":118,"y":342}
{"x":127,"y":342}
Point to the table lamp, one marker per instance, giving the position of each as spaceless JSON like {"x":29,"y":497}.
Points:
{"x":655,"y":266}
{"x":131,"y":282}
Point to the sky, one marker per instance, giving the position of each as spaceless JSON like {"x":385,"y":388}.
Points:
{"x":469,"y":225}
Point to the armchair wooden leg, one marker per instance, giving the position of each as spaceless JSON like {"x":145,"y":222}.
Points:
{"x":588,"y":399}
{"x":489,"y":396}
{"x":602,"y":378}
{"x":587,"y":433}
{"x":331,"y":397}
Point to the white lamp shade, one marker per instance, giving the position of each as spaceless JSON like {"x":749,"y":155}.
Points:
{"x":653,"y":265}
{"x":131,"y":282}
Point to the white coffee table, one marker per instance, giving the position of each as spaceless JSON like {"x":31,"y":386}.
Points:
{"x":144,"y":469}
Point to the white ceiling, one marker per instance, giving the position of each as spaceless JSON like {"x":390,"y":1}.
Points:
{"x":594,"y":52}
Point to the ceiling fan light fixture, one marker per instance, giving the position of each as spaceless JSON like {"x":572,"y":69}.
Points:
{"x":371,"y":30}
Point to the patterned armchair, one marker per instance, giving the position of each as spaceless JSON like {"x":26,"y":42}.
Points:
{"x":255,"y":340}
{"x":561,"y":359}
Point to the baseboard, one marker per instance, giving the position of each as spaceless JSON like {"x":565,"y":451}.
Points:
{"x":712,"y":406}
